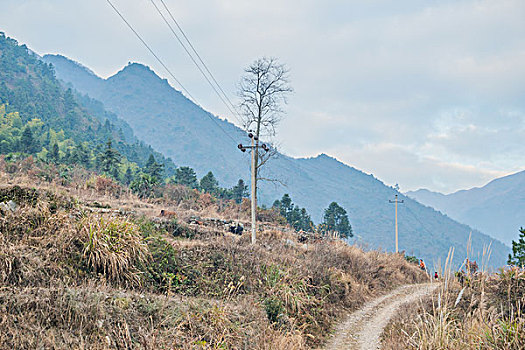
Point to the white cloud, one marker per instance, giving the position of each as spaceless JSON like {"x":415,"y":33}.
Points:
{"x":432,"y":87}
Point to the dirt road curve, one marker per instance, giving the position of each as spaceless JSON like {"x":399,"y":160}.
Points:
{"x":363,"y":328}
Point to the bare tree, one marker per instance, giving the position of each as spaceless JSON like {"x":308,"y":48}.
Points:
{"x":263,"y":91}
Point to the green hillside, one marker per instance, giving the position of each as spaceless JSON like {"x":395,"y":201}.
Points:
{"x":42,"y":118}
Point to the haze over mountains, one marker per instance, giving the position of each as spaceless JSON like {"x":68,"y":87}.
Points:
{"x":162,"y":117}
{"x":497,"y":208}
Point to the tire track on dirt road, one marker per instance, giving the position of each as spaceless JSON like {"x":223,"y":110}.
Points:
{"x":362,"y":329}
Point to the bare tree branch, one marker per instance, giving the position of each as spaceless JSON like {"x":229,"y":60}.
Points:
{"x":272,"y":180}
{"x":263,"y":90}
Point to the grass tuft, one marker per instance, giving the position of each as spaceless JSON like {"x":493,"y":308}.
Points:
{"x":113,"y":248}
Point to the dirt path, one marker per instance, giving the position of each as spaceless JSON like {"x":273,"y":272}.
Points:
{"x":362,"y":329}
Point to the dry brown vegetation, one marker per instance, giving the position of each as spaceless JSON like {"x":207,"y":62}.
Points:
{"x":93,"y":267}
{"x":486,"y":312}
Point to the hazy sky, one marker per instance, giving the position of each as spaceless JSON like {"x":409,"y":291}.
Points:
{"x":421,"y":93}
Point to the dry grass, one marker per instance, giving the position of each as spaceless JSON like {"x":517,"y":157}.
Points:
{"x":114,"y":247}
{"x":71,"y":278}
{"x":486,"y":313}
{"x":100,"y":318}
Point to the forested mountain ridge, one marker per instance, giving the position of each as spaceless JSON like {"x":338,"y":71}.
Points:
{"x":498,"y":208}
{"x":163,"y":117}
{"x":33,"y":101}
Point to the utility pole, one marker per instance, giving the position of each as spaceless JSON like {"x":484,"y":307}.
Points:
{"x":254,"y":193}
{"x":396,"y":201}
{"x":255,"y":149}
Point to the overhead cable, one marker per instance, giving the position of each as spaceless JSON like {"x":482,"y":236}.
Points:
{"x":216,"y":87}
{"x":166,"y":67}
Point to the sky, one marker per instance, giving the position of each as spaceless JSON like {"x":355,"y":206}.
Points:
{"x":424,"y":94}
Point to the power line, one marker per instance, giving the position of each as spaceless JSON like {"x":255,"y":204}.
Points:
{"x":190,"y":55}
{"x":234,"y":111}
{"x":165,"y":67}
{"x":150,"y":49}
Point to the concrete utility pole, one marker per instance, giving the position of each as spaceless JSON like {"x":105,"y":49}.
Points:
{"x":396,"y":201}
{"x":254,"y":193}
{"x":254,"y":147}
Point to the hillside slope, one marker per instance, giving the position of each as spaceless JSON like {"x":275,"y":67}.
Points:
{"x":58,"y":115}
{"x":163,"y":117}
{"x":75,"y":275}
{"x":497,"y":208}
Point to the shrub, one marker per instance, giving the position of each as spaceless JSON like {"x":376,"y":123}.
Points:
{"x":103,"y":185}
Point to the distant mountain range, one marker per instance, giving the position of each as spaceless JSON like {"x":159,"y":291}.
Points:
{"x":162,"y":117}
{"x":497,"y":208}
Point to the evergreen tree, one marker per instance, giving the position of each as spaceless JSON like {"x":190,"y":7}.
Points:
{"x":286,"y":206}
{"x":185,"y":176}
{"x":69,"y":100}
{"x":5,"y":146}
{"x":517,"y":258}
{"x":109,"y":159}
{"x":209,"y":184}
{"x":153,"y":168}
{"x":128,"y":176}
{"x":28,"y":144}
{"x":239,"y":191}
{"x":297,"y":217}
{"x":336,"y":220}
{"x":108,"y":127}
{"x":82,"y":156}
{"x":54,"y":153}
{"x":116,"y":173}
{"x":305,"y":221}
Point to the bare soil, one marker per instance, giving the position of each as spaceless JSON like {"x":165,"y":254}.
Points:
{"x":362,"y":329}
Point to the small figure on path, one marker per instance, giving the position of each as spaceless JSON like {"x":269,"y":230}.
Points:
{"x":422,"y":265}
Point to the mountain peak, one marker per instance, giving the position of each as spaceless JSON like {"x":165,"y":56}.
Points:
{"x":139,"y":74}
{"x":56,"y":59}
{"x":136,"y":66}
{"x":326,"y":157}
{"x":139,"y":70}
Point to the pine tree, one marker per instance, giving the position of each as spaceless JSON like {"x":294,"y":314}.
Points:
{"x":336,"y":220}
{"x":297,"y":217}
{"x":186,"y":176}
{"x":209,"y":184}
{"x":68,"y":157}
{"x":54,"y":153}
{"x":239,"y":191}
{"x":28,"y":144}
{"x":128,"y":176}
{"x":153,"y":168}
{"x":517,"y":257}
{"x":69,"y":100}
{"x":82,"y":156}
{"x":109,"y":159}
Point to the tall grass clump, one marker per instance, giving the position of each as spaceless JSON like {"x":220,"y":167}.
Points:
{"x":114,"y":247}
{"x":480,"y":311}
